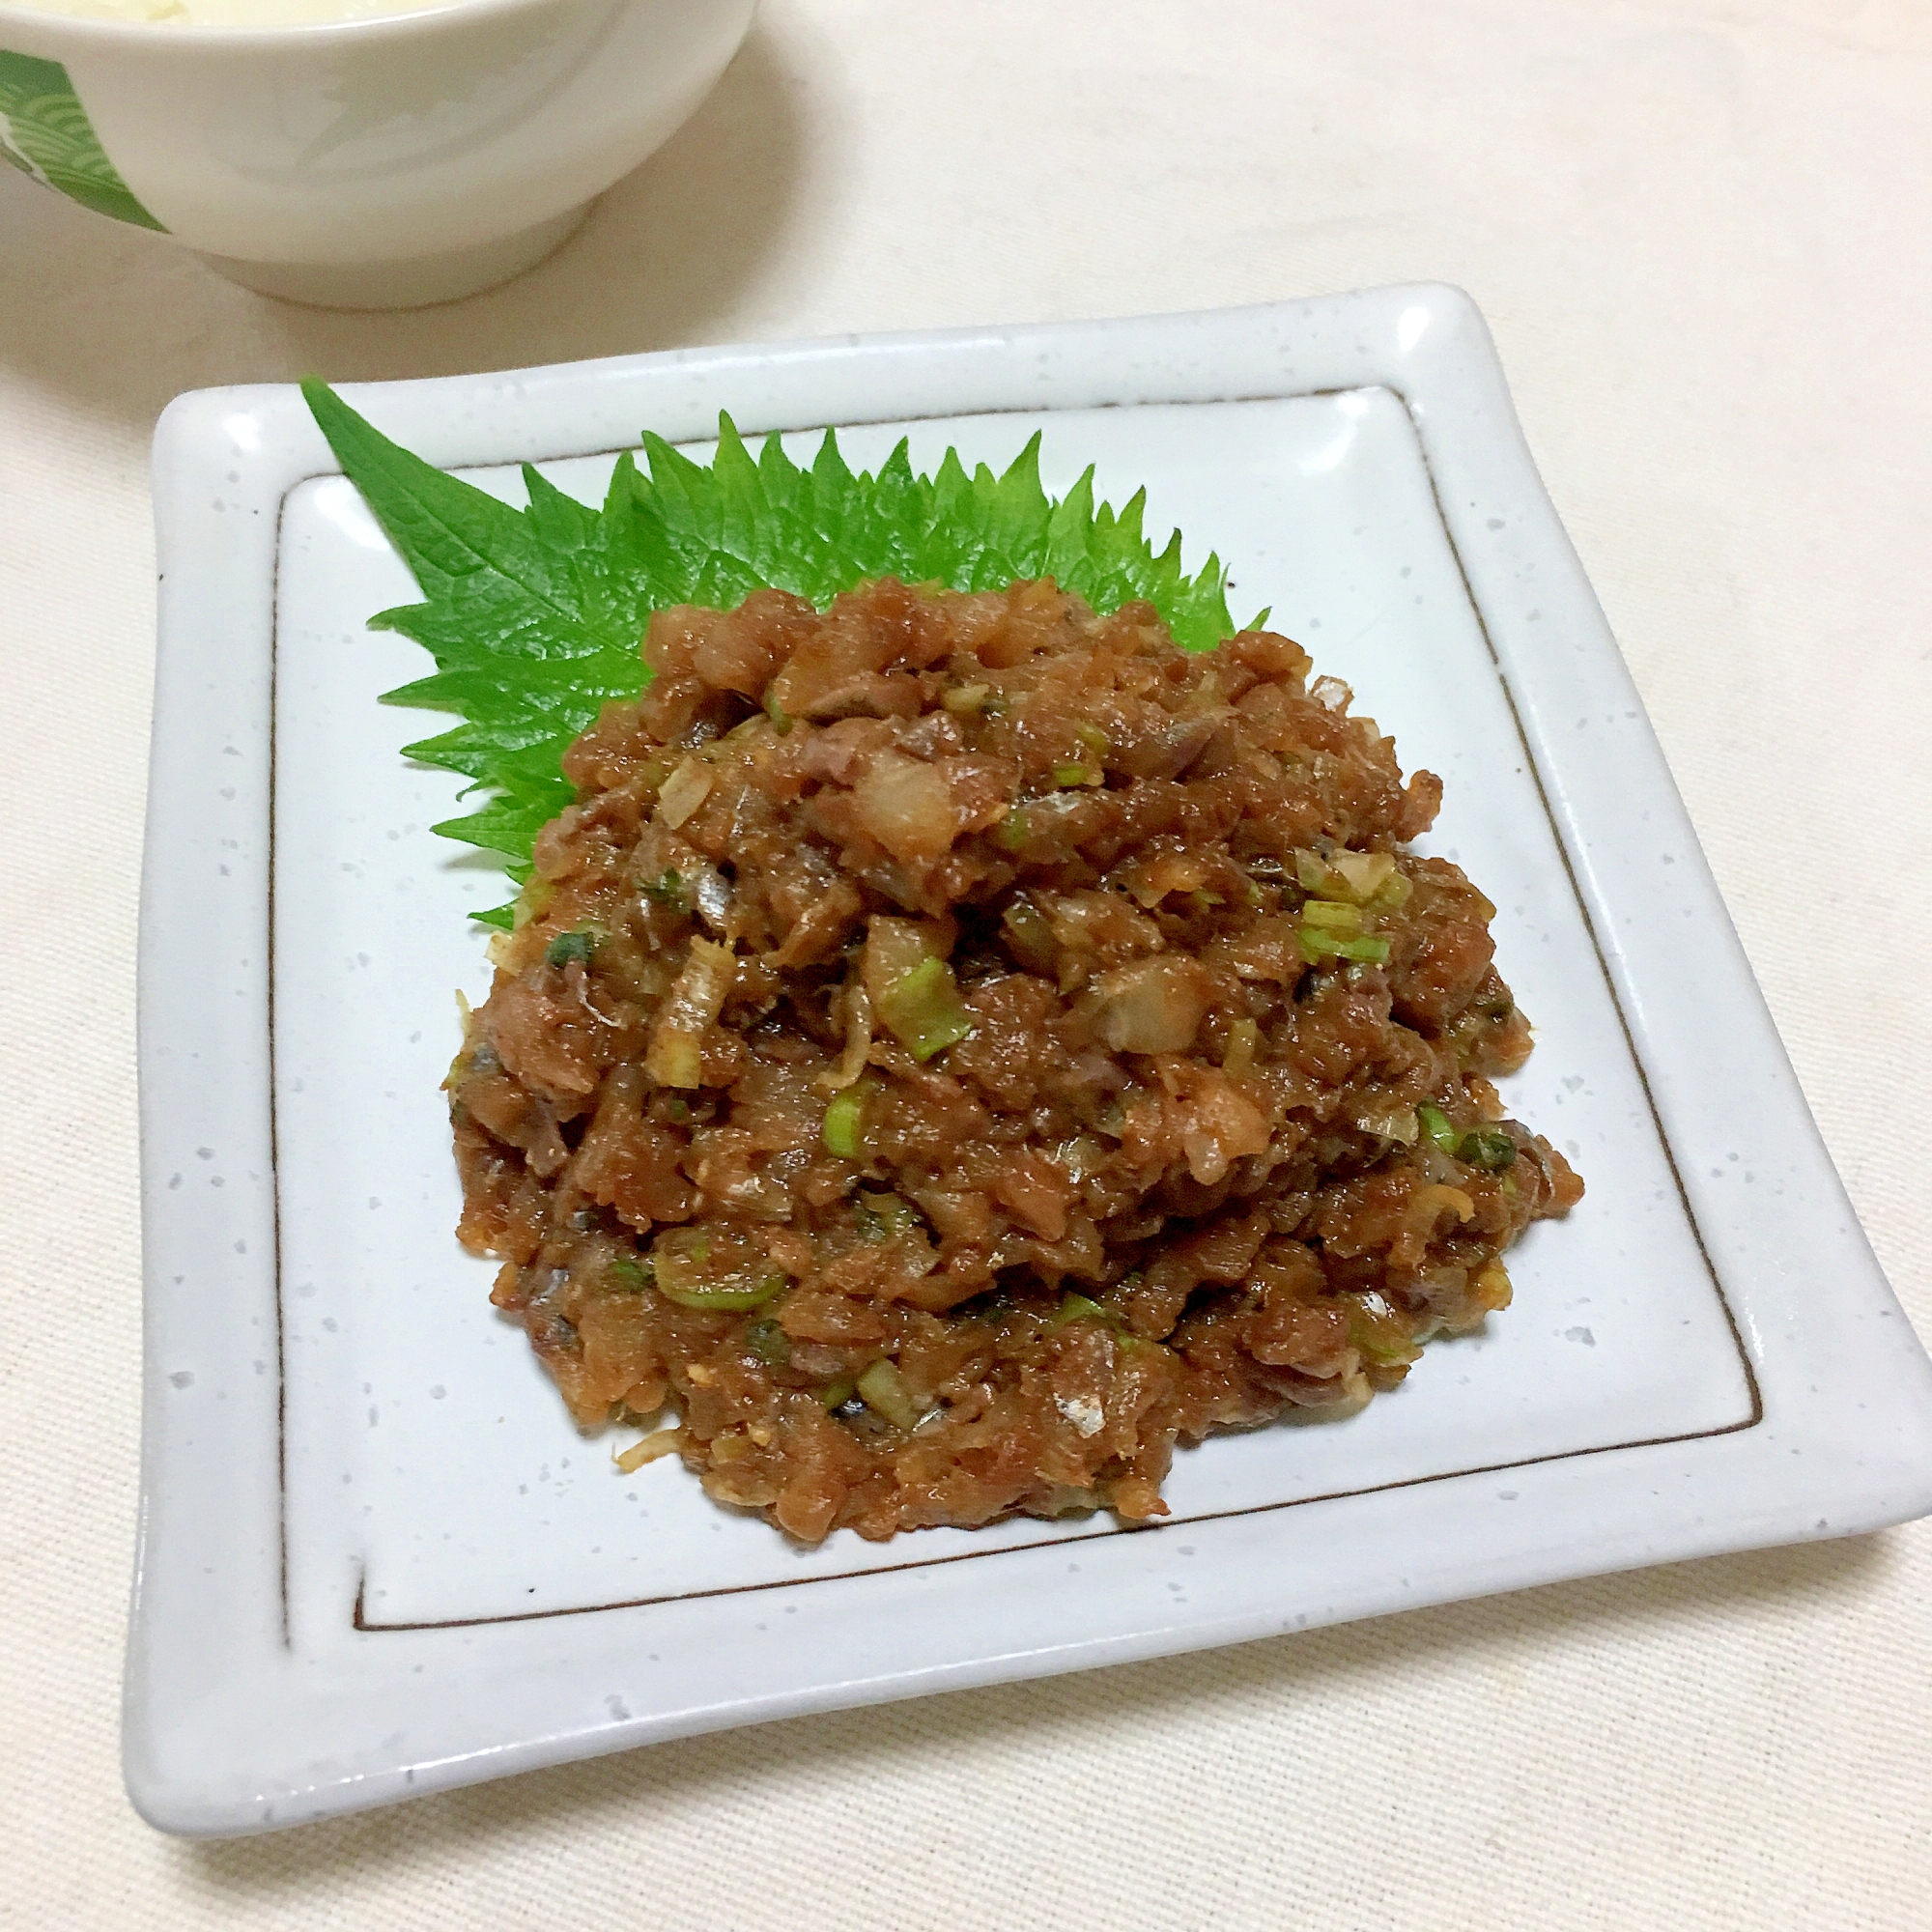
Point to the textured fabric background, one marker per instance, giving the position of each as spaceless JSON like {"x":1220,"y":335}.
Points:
{"x":1698,"y":229}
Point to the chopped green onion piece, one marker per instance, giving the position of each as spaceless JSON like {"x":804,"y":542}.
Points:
{"x":835,"y":1394}
{"x":1244,"y":1041}
{"x":1311,"y":873}
{"x":1079,"y":775}
{"x":727,"y":1298}
{"x":883,"y":1390}
{"x":962,"y":700}
{"x":1393,"y":894}
{"x":1317,"y":945}
{"x":883,"y":1217}
{"x":1383,"y":1334}
{"x":726,"y":1274}
{"x":1490,"y":1148}
{"x":844,"y":1129}
{"x":1080,"y":1308}
{"x":1093,"y":738}
{"x":566,"y":947}
{"x":668,"y":889}
{"x":1331,"y":917}
{"x":1030,"y":937}
{"x":777,"y":714}
{"x":923,"y":1009}
{"x":1010,"y":833}
{"x":1435,"y":1124}
{"x":628,"y":1271}
{"x":768,"y":1341}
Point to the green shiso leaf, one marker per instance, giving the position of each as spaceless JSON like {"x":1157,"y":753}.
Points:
{"x":534,"y":616}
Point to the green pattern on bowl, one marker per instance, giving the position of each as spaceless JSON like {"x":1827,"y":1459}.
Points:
{"x":44,"y":132}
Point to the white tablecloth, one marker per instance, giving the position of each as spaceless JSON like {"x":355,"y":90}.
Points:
{"x":1698,"y":229}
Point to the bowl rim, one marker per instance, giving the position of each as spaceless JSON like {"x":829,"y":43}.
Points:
{"x":167,"y":36}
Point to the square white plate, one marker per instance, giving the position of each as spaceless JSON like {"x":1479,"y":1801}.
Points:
{"x":377,"y":1559}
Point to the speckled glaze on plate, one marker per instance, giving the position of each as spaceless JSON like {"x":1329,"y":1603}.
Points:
{"x":376,"y":1558}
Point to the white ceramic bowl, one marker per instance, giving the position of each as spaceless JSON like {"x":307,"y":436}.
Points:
{"x":376,"y":164}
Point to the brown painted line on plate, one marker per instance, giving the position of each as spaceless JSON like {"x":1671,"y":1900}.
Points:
{"x":1751,"y":1421}
{"x":274,"y":1119}
{"x":360,"y":1621}
{"x":1589,"y":924}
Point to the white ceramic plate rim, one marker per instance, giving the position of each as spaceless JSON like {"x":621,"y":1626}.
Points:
{"x":226,"y":1731}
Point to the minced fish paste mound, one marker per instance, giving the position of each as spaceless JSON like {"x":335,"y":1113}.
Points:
{"x":957,"y":1046}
